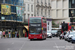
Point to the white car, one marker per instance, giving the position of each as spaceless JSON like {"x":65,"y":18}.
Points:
{"x":70,"y":35}
{"x":54,"y":32}
{"x":49,"y":34}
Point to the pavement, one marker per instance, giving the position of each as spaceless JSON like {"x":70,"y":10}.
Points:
{"x":25,"y":44}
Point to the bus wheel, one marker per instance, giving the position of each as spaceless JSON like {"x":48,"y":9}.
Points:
{"x":45,"y":39}
{"x":31,"y":39}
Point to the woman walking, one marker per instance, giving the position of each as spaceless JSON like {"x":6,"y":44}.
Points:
{"x":4,"y":34}
{"x":9,"y":34}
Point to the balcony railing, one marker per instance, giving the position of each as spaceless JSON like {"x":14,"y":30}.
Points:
{"x":37,"y":4}
{"x":45,"y":4}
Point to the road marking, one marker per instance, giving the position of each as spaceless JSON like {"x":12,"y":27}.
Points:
{"x":8,"y":49}
{"x":12,"y":42}
{"x":56,"y":46}
{"x":22,"y":46}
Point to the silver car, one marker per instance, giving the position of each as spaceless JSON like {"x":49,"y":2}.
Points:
{"x":70,"y":36}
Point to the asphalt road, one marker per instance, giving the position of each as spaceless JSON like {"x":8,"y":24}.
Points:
{"x":26,"y":44}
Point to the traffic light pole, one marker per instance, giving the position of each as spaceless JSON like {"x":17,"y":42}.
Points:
{"x":16,"y":21}
{"x":72,"y":19}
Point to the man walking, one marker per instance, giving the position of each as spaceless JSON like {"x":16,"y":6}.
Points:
{"x":6,"y":33}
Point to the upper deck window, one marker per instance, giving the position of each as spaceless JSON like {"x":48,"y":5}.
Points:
{"x":35,"y":20}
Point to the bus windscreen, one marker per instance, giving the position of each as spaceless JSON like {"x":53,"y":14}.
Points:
{"x":35,"y":30}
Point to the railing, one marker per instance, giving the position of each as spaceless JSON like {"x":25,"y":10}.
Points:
{"x":45,"y":4}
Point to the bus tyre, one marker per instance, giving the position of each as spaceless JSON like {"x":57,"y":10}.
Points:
{"x":31,"y":39}
{"x":45,"y":39}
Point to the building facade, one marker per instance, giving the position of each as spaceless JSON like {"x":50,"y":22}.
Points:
{"x":61,"y":10}
{"x":11,"y":14}
{"x":28,"y":9}
{"x":72,"y":10}
{"x":42,"y":8}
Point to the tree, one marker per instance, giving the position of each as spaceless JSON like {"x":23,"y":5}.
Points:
{"x":53,"y":23}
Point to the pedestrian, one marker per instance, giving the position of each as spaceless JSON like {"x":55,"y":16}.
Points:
{"x":16,"y":34}
{"x":13,"y":33}
{"x":9,"y":34}
{"x":0,"y":34}
{"x":3,"y":34}
{"x":6,"y":33}
{"x":25,"y":34}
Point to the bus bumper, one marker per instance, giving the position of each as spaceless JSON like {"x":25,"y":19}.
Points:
{"x":35,"y":36}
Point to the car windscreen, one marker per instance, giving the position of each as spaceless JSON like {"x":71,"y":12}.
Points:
{"x":71,"y":33}
{"x":74,"y":35}
{"x":48,"y":31}
{"x":54,"y":31}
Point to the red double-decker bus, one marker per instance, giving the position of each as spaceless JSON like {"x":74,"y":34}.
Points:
{"x":37,"y":28}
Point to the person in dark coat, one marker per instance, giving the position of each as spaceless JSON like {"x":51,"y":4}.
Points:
{"x":17,"y":35}
{"x":6,"y":33}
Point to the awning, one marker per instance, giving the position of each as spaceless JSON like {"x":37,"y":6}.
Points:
{"x":26,"y":27}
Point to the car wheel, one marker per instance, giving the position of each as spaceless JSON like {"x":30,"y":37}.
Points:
{"x":72,"y":42}
{"x":68,"y":40}
{"x":50,"y":37}
{"x":65,"y":40}
{"x":44,"y":39}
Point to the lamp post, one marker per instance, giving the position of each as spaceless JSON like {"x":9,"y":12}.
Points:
{"x":16,"y":22}
{"x":72,"y":12}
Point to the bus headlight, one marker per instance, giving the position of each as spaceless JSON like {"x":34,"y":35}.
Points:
{"x":29,"y":35}
{"x":40,"y":35}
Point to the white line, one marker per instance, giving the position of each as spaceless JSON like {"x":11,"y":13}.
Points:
{"x":22,"y":46}
{"x":56,"y":46}
{"x":13,"y":43}
{"x":8,"y":49}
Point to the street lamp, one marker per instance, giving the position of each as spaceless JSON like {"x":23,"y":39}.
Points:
{"x":72,"y":12}
{"x":16,"y":22}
